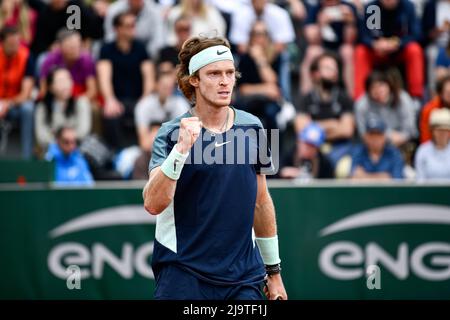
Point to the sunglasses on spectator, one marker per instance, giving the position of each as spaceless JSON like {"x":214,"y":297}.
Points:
{"x":259,"y":33}
{"x":183,"y":29}
{"x":129,"y":25}
{"x":68,"y":141}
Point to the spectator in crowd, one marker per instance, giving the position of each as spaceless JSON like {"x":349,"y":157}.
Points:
{"x":52,"y":17}
{"x":307,"y":161}
{"x":16,"y":85}
{"x":395,"y":42}
{"x":329,"y":105}
{"x":149,"y":23}
{"x":59,"y":109}
{"x":297,"y":8}
{"x":98,"y":11}
{"x":70,"y":165}
{"x":276,"y":19}
{"x":376,"y":159}
{"x":80,"y":63}
{"x":279,"y":26}
{"x":442,"y":63}
{"x":169,"y":54}
{"x":18,"y":13}
{"x":331,"y":25}
{"x":436,"y":30}
{"x":433,"y":157}
{"x":442,"y":100}
{"x":259,"y":90}
{"x":205,"y":19}
{"x":140,"y":169}
{"x":158,"y":107}
{"x":393,"y":105}
{"x":126,"y":75}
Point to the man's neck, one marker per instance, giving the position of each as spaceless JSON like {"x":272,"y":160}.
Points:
{"x":124,"y":45}
{"x":162,"y":99}
{"x":212,"y":117}
{"x":375,"y":155}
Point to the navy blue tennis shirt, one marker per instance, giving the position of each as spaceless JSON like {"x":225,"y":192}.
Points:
{"x":208,"y":228}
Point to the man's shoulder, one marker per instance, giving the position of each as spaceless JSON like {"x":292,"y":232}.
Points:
{"x":360,"y":150}
{"x":244,"y":118}
{"x":116,"y":7}
{"x":86,"y":58}
{"x":148,"y":102}
{"x":424,"y":148}
{"x":108,"y":47}
{"x":275,"y":11}
{"x":137,"y":45}
{"x":53,"y":56}
{"x":392,"y":151}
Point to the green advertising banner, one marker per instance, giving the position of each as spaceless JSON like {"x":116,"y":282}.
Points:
{"x":336,"y":242}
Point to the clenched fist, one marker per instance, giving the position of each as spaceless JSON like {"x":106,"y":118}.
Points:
{"x":189,"y":132}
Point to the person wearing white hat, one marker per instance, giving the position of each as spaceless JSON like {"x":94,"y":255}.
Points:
{"x":432,"y":159}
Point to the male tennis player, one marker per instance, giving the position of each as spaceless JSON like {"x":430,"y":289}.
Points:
{"x":204,"y":246}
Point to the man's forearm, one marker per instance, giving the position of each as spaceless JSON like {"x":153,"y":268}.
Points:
{"x":158,"y":192}
{"x":264,"y":221}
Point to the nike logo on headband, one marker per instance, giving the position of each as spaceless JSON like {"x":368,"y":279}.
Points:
{"x":220,"y":53}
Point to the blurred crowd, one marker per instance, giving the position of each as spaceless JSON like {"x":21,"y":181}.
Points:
{"x":358,"y":89}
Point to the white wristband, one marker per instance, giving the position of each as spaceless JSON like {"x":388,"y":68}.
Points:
{"x":174,"y":163}
{"x":268,"y":247}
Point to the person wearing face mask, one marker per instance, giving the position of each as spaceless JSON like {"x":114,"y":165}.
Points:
{"x":59,"y":108}
{"x":329,"y":105}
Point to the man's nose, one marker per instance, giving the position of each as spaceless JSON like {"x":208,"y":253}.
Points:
{"x":224,"y":80}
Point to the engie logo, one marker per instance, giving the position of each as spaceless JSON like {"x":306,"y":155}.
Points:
{"x":347,"y":260}
{"x":92,"y":260}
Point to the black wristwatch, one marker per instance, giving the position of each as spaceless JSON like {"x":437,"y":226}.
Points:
{"x":273,"y":269}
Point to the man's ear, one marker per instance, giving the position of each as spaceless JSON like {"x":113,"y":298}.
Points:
{"x":193,"y":81}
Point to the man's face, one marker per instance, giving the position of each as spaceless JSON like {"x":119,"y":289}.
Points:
{"x":375,"y":141}
{"x":127,"y":27}
{"x":389,"y":4}
{"x":328,"y":69}
{"x":445,"y":95}
{"x":215,"y":83}
{"x":441,"y":136}
{"x":306,"y":151}
{"x":330,"y":3}
{"x":182,"y":30}
{"x":71,"y":47}
{"x":259,"y":34}
{"x":58,"y":4}
{"x":11,"y":43}
{"x":166,"y":85}
{"x":68,"y":141}
{"x":258,"y":5}
{"x":135,"y":5}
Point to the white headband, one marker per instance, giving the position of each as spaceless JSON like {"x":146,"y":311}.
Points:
{"x":209,"y":55}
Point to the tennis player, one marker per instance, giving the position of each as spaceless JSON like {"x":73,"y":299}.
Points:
{"x":207,"y":210}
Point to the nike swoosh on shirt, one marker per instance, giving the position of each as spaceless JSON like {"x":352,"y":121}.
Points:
{"x":221,"y":144}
